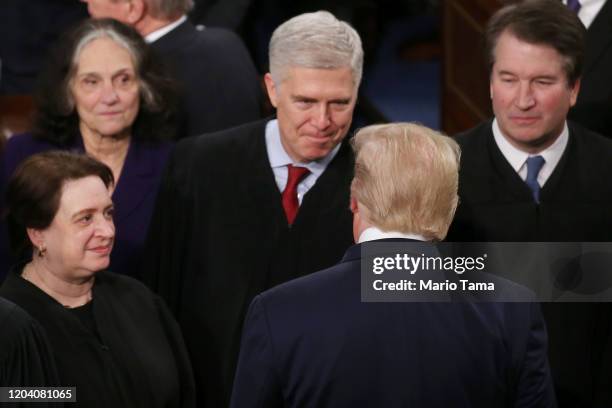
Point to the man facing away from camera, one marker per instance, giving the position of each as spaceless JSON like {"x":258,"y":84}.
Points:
{"x":313,"y":342}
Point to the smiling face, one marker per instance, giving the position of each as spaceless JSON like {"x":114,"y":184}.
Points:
{"x":80,"y":238}
{"x":314,"y":110}
{"x":105,"y":89}
{"x":530,"y":93}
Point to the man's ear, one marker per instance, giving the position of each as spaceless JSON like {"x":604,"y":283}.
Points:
{"x":36,"y":237}
{"x":272,"y":89}
{"x":574,"y":91}
{"x":136,"y":10}
{"x":354,"y":205}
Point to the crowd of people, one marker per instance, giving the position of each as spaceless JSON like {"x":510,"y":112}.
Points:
{"x":162,"y":245}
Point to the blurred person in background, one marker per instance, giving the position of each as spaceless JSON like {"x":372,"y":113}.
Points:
{"x":219,"y":85}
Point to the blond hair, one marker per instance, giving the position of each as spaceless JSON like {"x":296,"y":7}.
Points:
{"x":406,"y":177}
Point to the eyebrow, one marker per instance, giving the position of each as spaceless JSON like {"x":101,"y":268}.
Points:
{"x":302,"y":98}
{"x":308,"y":99}
{"x":116,"y":73}
{"x":551,"y":77}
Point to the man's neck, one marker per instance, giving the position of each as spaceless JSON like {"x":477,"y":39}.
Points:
{"x":150,"y":24}
{"x":373,"y":233}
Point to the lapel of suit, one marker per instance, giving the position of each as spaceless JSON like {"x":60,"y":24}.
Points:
{"x":259,"y":181}
{"x":599,"y":37}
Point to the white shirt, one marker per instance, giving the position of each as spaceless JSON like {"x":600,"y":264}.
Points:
{"x":373,"y":233}
{"x":279,"y":159}
{"x":518,"y":158}
{"x":159,"y":33}
{"x":588,"y":10}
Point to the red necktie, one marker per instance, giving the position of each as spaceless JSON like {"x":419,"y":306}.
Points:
{"x":290,"y":199}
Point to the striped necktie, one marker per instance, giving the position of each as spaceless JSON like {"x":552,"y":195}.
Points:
{"x":534,"y":165}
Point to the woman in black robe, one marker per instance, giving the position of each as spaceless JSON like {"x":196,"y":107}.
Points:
{"x":111,"y":337}
{"x":25,"y":355}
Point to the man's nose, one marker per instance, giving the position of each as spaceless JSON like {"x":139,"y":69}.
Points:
{"x":525,"y":98}
{"x":322,"y":117}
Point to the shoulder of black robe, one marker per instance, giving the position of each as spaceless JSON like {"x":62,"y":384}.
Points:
{"x":128,"y":293}
{"x":26,"y":359}
{"x":177,"y":343}
{"x":148,"y":361}
{"x":171,"y":238}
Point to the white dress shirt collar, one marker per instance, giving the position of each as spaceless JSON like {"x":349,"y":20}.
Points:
{"x":157,"y":34}
{"x":588,"y":10}
{"x":279,"y":157}
{"x":373,"y":233}
{"x":517,"y":158}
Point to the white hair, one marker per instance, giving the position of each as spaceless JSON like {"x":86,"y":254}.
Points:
{"x":315,"y":40}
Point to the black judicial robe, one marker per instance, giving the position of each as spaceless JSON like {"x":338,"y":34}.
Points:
{"x":593,"y":108}
{"x":219,"y":237}
{"x":136,"y":358}
{"x":26,"y":358}
{"x":575,"y":206}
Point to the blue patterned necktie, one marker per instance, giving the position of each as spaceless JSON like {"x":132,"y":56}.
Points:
{"x":534,"y":165}
{"x":574,"y":5}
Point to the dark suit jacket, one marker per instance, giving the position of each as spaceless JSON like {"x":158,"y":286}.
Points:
{"x":218,"y":82}
{"x":134,"y":195}
{"x":496,"y":205}
{"x":594,"y":106}
{"x":311,"y":342}
{"x":219,"y":236}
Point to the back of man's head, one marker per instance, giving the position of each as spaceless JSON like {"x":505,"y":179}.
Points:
{"x":406,"y":178}
{"x":315,"y":40}
{"x":541,"y":22}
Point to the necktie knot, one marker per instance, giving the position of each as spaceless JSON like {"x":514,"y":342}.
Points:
{"x":290,"y":200}
{"x":295,"y":175}
{"x":574,"y":5}
{"x":534,"y":165}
